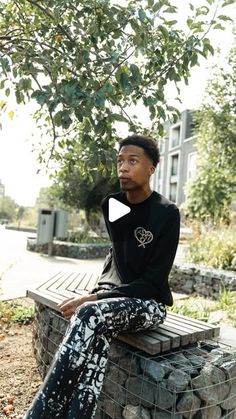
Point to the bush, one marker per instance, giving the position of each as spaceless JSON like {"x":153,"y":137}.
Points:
{"x":215,"y":248}
{"x":85,"y":237}
{"x":16,"y":313}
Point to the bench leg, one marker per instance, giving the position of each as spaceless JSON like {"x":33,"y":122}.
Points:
{"x":74,"y":381}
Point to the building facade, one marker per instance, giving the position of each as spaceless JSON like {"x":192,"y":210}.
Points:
{"x":2,"y":190}
{"x":177,"y":159}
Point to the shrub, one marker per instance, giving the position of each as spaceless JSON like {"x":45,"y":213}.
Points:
{"x":85,"y":237}
{"x":16,"y":313}
{"x":215,"y":248}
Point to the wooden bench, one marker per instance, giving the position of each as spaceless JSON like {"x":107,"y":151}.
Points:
{"x":177,"y":330}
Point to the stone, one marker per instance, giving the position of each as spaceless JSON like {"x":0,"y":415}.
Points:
{"x":210,"y":412}
{"x":164,"y":399}
{"x":229,"y":368}
{"x":112,"y":409}
{"x":230,"y":401}
{"x":136,"y":412}
{"x":165,"y":415}
{"x":188,"y":405}
{"x":140,"y":391}
{"x":195,"y":360}
{"x":211,"y":385}
{"x":116,"y":375}
{"x":114,"y":390}
{"x":152,"y":369}
{"x":178,"y":381}
{"x":130,"y":363}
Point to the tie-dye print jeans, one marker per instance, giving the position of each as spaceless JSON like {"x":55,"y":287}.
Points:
{"x":74,"y":381}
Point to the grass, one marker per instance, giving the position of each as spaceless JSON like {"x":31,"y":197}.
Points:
{"x":201,"y":308}
{"x":14,"y":312}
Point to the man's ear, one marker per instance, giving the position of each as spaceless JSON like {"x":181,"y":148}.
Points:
{"x":151,"y":170}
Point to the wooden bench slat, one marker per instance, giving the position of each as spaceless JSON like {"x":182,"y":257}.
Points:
{"x":143,"y":342}
{"x":196,"y":322}
{"x":176,"y":331}
{"x":175,"y":338}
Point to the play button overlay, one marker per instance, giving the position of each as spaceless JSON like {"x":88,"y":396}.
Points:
{"x":116,"y":209}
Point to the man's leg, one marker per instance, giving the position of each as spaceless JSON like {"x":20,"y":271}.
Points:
{"x":69,"y":393}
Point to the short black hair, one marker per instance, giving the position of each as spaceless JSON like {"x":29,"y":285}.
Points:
{"x":148,"y":144}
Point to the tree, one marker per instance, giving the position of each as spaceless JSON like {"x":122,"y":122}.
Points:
{"x":86,"y":63}
{"x":81,"y":192}
{"x":210,"y":193}
{"x":8,"y":208}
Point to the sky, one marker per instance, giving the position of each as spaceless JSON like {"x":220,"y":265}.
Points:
{"x":18,"y":164}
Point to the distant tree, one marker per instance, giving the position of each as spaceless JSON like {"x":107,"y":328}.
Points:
{"x":210,"y":193}
{"x":8,"y":208}
{"x":80,"y":191}
{"x":21,"y":211}
{"x":48,"y":198}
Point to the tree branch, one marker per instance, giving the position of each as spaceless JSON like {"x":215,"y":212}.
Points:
{"x":50,"y":15}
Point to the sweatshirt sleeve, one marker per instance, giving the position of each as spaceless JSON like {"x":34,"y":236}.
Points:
{"x":154,"y":282}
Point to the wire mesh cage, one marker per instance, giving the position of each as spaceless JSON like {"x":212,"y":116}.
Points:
{"x":194,"y":382}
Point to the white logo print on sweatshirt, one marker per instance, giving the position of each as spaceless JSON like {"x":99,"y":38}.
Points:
{"x":143,"y":236}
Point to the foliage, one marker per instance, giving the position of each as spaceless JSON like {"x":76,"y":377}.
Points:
{"x":80,"y":192}
{"x":14,"y":312}
{"x":216,"y":248}
{"x":84,"y":237}
{"x":192,"y":307}
{"x":211,"y":192}
{"x":47,"y":198}
{"x":86,"y":63}
{"x":8,"y":208}
{"x":201,"y":308}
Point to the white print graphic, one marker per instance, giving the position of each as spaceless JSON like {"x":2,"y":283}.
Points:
{"x":143,"y":236}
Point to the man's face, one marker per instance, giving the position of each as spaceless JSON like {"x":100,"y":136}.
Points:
{"x":134,"y":167}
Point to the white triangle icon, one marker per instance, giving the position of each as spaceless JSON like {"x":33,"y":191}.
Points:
{"x":116,"y":209}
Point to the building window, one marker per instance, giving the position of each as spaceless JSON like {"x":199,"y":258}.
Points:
{"x":161,"y":145}
{"x":175,"y":136}
{"x":173,"y":176}
{"x":173,"y":192}
{"x":192,"y":165}
{"x":174,"y":165}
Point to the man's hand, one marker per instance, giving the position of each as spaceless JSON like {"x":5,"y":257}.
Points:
{"x":68,"y":306}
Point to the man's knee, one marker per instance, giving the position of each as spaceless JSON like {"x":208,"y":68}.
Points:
{"x":90,"y":313}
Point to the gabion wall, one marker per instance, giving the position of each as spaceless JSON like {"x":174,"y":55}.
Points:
{"x":71,"y":250}
{"x":197,"y":382}
{"x":190,"y":278}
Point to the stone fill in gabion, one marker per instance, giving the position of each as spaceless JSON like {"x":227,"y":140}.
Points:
{"x":197,"y":382}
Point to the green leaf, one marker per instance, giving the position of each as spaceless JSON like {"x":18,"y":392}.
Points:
{"x":164,"y":31}
{"x":136,"y":76}
{"x":157,"y":6}
{"x":62,"y":118}
{"x":119,"y":117}
{"x":194,"y":59}
{"x":228,"y":2}
{"x":225,"y":18}
{"x":124,"y":80}
{"x":219,"y":26}
{"x":7,"y":92}
{"x":142,"y":15}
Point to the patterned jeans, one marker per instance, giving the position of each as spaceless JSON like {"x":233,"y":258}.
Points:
{"x":74,"y":381}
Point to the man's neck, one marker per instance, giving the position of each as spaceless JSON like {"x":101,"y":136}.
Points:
{"x":136,"y":197}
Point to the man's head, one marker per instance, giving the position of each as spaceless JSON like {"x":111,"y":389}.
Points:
{"x":137,"y":159}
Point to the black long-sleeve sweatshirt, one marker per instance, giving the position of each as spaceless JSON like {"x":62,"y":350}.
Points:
{"x":144,"y":244}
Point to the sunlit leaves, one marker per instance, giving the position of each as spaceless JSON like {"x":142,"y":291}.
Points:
{"x":86,"y":63}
